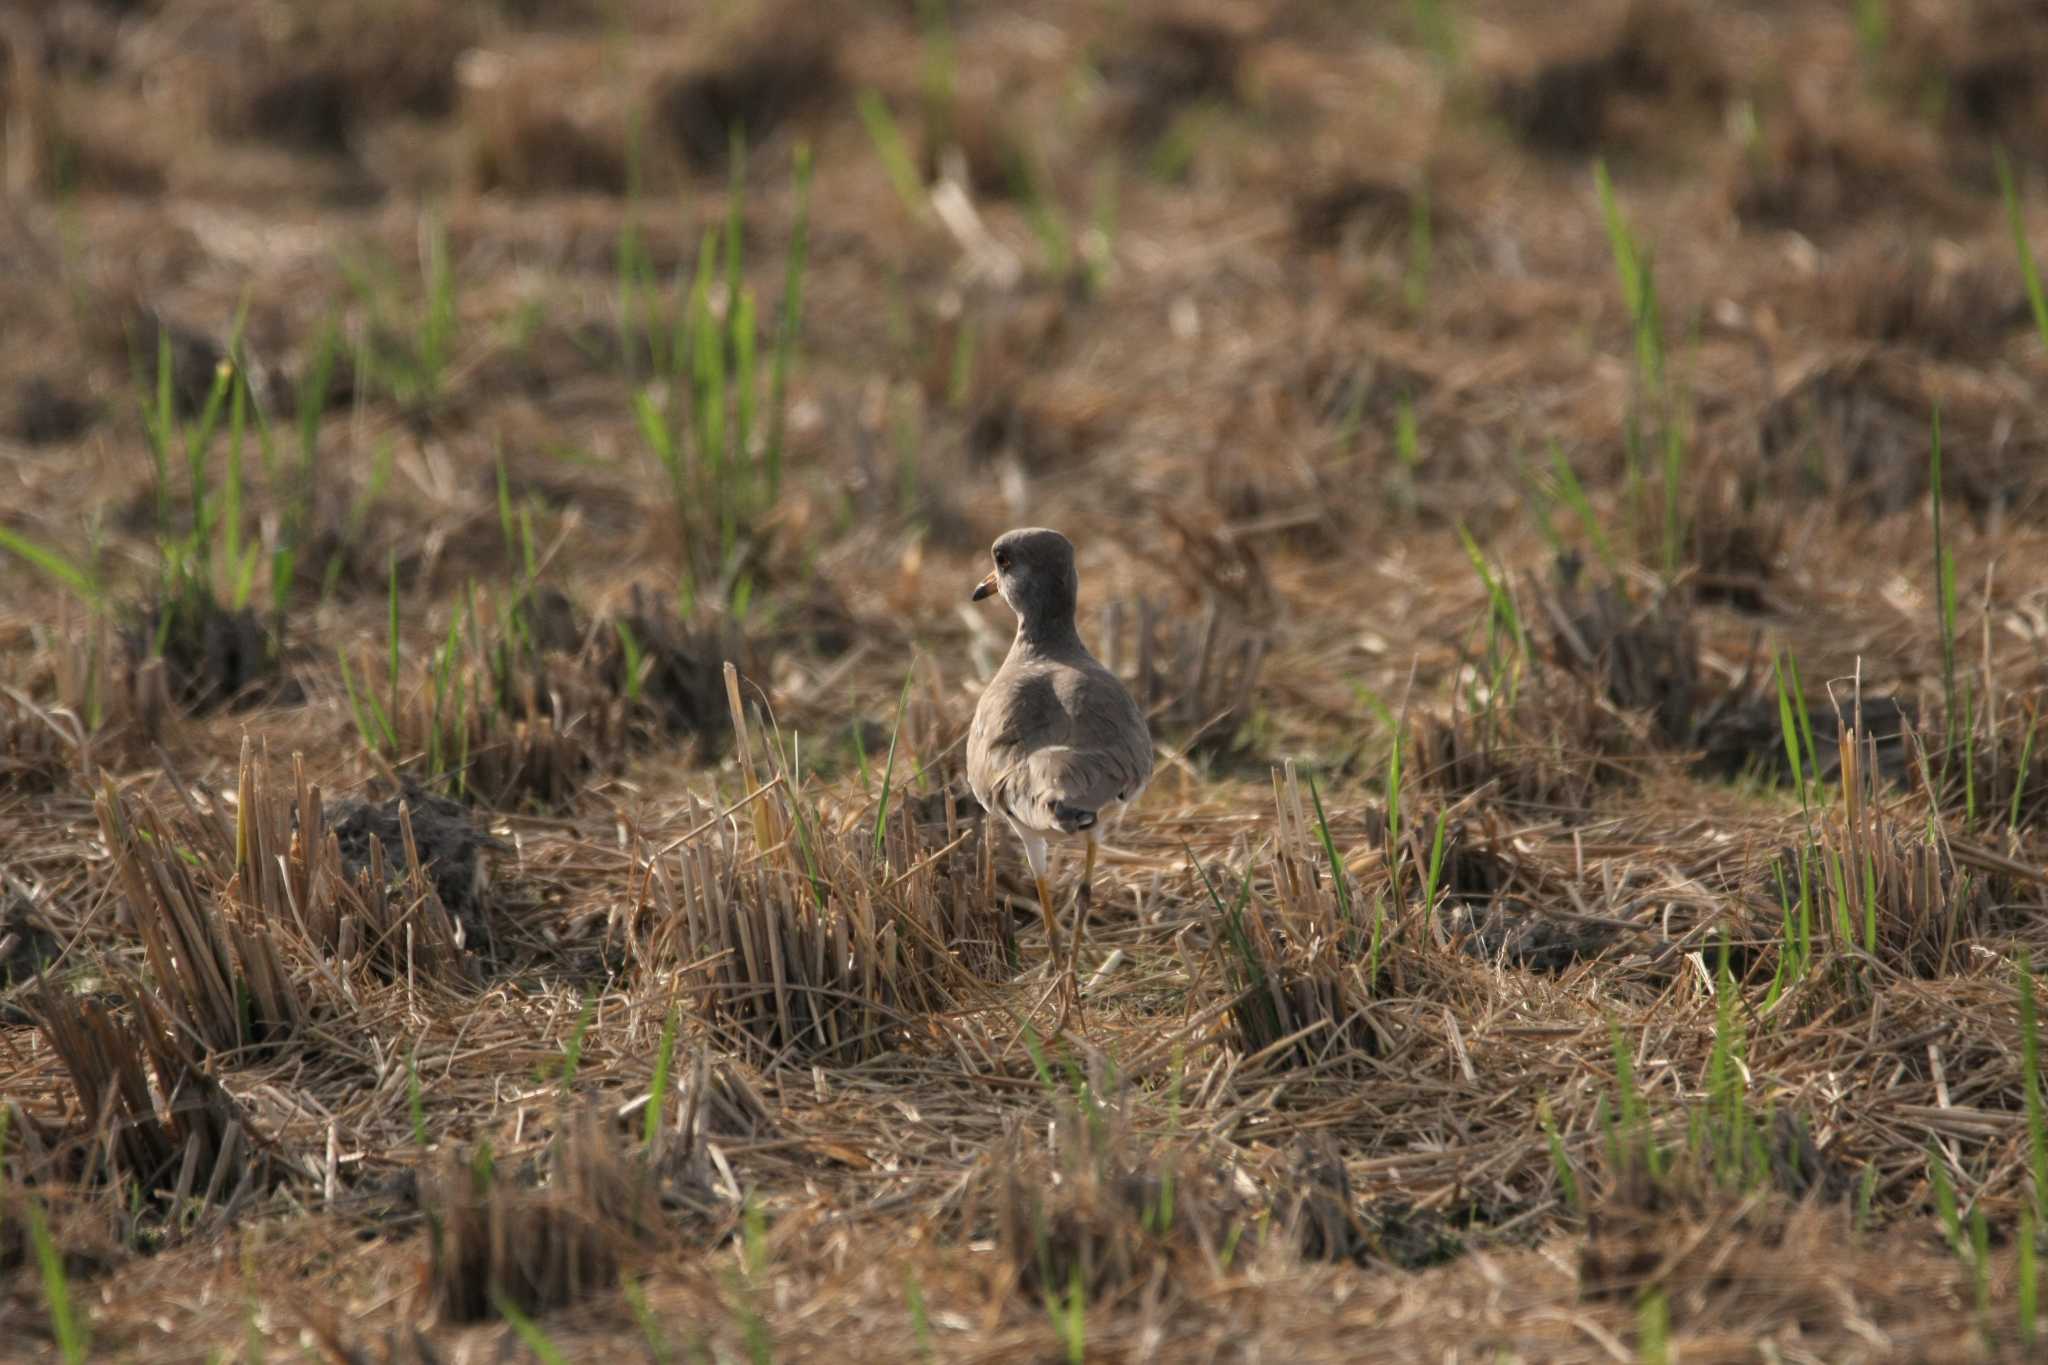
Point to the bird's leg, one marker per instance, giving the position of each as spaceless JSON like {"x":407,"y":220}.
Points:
{"x":1052,"y":932}
{"x":1052,"y":957}
{"x":1082,"y":899}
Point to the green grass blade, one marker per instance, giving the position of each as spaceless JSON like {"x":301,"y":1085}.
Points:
{"x":893,"y":150}
{"x":52,"y":565}
{"x":72,"y":1341}
{"x":2030,"y":1061}
{"x":658,"y":1090}
{"x":528,"y":1330}
{"x":415,"y":1101}
{"x":2030,"y":268}
{"x":1339,"y":882}
{"x":889,"y":766}
{"x":1575,"y":497}
{"x":572,"y":1051}
{"x":791,"y":330}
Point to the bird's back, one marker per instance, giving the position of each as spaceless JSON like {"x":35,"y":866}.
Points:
{"x":1056,"y":740}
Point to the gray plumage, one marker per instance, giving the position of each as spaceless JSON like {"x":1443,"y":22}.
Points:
{"x":1057,"y":745}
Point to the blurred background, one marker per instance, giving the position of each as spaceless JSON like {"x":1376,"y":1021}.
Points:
{"x":1259,"y":302}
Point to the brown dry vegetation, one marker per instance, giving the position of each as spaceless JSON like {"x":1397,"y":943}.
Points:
{"x":613,"y":956}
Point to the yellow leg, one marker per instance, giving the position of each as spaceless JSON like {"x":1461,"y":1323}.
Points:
{"x":1052,"y":932}
{"x":1082,"y":899}
{"x":1052,"y":949}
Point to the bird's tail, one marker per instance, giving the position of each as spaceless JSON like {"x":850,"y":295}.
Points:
{"x":1073,"y":819}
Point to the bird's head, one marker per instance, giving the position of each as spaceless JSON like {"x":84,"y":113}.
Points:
{"x":1034,"y":571}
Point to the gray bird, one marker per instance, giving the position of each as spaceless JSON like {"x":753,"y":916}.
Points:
{"x":1057,"y":746}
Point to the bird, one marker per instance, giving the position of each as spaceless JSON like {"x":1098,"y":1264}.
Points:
{"x":1057,"y":747}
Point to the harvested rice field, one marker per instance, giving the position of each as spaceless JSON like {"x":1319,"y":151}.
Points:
{"x":492,"y":493}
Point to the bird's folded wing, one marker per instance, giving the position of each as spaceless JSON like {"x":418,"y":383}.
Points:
{"x":1073,"y":743}
{"x":1050,"y":780}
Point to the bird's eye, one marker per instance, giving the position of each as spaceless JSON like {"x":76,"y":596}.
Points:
{"x":1002,"y":559}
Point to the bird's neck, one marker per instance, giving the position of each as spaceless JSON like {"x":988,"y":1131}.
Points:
{"x":1044,"y":633}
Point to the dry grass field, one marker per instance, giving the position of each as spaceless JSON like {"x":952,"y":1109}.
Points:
{"x":491,"y":493}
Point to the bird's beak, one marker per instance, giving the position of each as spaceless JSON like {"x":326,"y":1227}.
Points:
{"x":984,"y":588}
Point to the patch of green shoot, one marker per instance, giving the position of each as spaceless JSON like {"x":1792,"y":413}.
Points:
{"x":2019,"y":783}
{"x":1945,"y":1201}
{"x":529,"y":1331}
{"x":1653,"y":1328}
{"x":1407,"y":439}
{"x":894,"y":151}
{"x":572,"y":1051}
{"x":650,"y":1326}
{"x":1574,"y":495}
{"x":657,"y":1090}
{"x":414,"y":1102}
{"x":1048,"y":224}
{"x":1873,"y":29}
{"x":889,"y":767}
{"x":635,"y":662}
{"x":1432,"y":879}
{"x":2030,"y":268}
{"x":1249,"y":977}
{"x":1421,"y":248}
{"x":73,"y":1343}
{"x":1944,"y":586}
{"x":936,"y":71}
{"x":1630,"y":1140}
{"x":920,"y":1320}
{"x":65,"y":572}
{"x":2028,"y":1290}
{"x":1435,"y":29}
{"x":1507,"y":645}
{"x":1068,"y":1310}
{"x":1866,"y":1194}
{"x":1560,"y":1161}
{"x":702,"y":417}
{"x":1638,"y":283}
{"x":2030,"y":1067}
{"x":789,"y":332}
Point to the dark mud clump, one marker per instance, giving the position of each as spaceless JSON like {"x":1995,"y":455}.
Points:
{"x":44,"y":414}
{"x":451,"y":843}
{"x":211,"y":655}
{"x":756,"y":86}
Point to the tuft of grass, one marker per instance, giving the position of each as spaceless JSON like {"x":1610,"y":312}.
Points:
{"x":702,"y":418}
{"x":497,"y":1248}
{"x":830,"y":945}
{"x":1633,"y":266}
{"x":407,"y":350}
